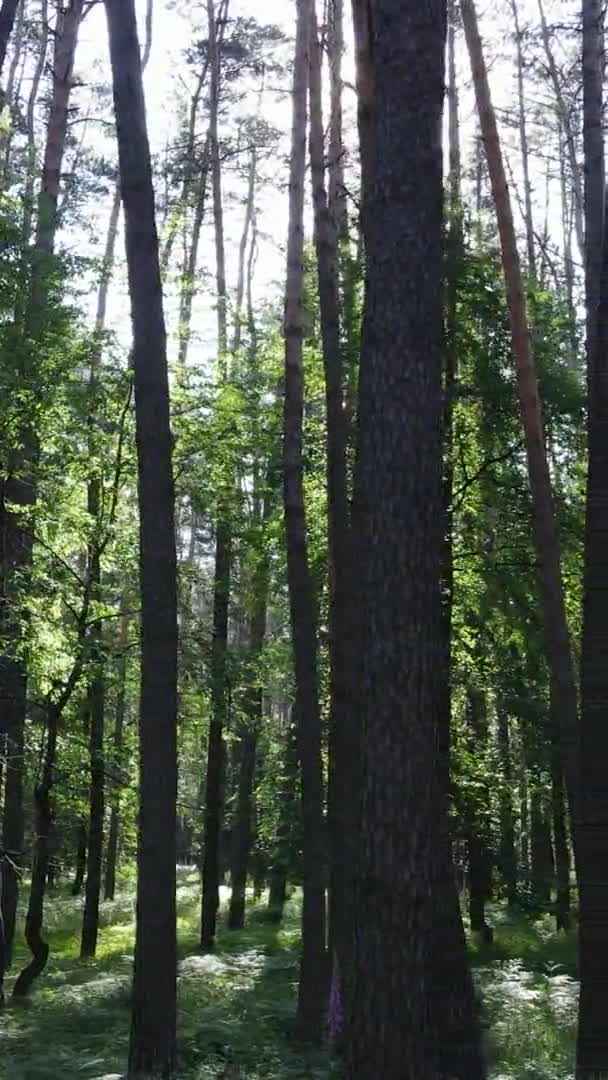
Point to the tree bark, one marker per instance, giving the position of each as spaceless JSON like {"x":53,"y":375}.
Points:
{"x":152,"y":1041}
{"x":343,"y":731}
{"x":277,"y":893}
{"x":546,"y":536}
{"x":214,"y":787}
{"x":302,"y":602}
{"x":591,"y":833}
{"x":400,"y":1015}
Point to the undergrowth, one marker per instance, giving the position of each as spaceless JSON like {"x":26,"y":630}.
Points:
{"x":238,"y":1004}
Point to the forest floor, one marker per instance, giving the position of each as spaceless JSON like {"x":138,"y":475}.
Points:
{"x":238,"y":1004}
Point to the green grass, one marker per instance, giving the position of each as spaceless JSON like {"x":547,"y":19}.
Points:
{"x":239,"y":1003}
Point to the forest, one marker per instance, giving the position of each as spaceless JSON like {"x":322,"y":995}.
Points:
{"x":303,"y":540}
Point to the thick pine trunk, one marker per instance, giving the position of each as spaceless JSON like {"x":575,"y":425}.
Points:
{"x":404,"y":884}
{"x":592,"y":826}
{"x":152,"y":1042}
{"x":312,"y":994}
{"x":546,"y":536}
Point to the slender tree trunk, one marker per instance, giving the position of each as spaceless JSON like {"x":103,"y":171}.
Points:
{"x":96,"y":696}
{"x":19,"y":490}
{"x":81,"y":857}
{"x":117,"y":742}
{"x":480,"y":864}
{"x":30,"y":173}
{"x":214,"y":787}
{"x":43,"y":823}
{"x":302,"y":603}
{"x":8,"y":10}
{"x":546,"y":535}
{"x":523,"y":143}
{"x":343,"y":732}
{"x":277,"y":893}
{"x":592,"y":826}
{"x":152,"y":1042}
{"x":564,"y":115}
{"x":188,"y":277}
{"x":506,"y":854}
{"x":560,"y":836}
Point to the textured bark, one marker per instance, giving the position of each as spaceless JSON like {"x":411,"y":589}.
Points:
{"x":20,"y":486}
{"x":8,"y":10}
{"x":152,"y":1042}
{"x":401,"y":888}
{"x":591,"y":831}
{"x":344,"y":739}
{"x":546,"y":536}
{"x":302,"y":601}
{"x":30,"y":176}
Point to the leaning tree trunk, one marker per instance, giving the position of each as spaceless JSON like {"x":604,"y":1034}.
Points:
{"x":592,"y":825}
{"x":19,"y":492}
{"x":546,"y":536}
{"x":302,"y":604}
{"x":152,"y":1042}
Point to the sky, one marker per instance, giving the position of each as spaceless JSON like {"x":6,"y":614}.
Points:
{"x":166,"y":81}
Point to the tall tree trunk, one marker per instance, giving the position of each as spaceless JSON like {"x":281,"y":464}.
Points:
{"x":214,"y":787}
{"x":30,"y":173}
{"x":560,"y":835}
{"x":253,"y":705}
{"x":19,"y":490}
{"x":81,"y":857}
{"x":523,"y":143}
{"x":8,"y":10}
{"x":117,"y":743}
{"x":564,"y":116}
{"x":188,"y":276}
{"x":507,"y":860}
{"x":277,"y":893}
{"x":402,"y":865}
{"x":546,"y":536}
{"x":302,"y":602}
{"x":592,"y":826}
{"x":152,"y":1042}
{"x":343,"y":731}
